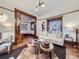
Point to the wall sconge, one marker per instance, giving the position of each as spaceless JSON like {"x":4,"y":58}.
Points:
{"x":70,"y":27}
{"x":1,"y":17}
{"x":18,"y":22}
{"x":3,"y":20}
{"x":7,"y":24}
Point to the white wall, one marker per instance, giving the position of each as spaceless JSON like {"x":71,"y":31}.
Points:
{"x":6,"y":35}
{"x":67,"y":19}
{"x":27,"y":20}
{"x":69,"y":22}
{"x":39,"y":26}
{"x":10,"y":19}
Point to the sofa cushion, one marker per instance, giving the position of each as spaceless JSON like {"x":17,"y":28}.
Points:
{"x":3,"y":49}
{"x":59,"y":35}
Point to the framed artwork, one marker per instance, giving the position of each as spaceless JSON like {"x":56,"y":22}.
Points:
{"x":23,"y":26}
{"x":0,"y":35}
{"x":43,"y":26}
{"x":32,"y":25}
{"x":55,"y":25}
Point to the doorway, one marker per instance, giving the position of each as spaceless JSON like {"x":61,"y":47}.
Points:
{"x":25,"y":24}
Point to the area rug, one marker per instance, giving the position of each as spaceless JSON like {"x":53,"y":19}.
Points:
{"x":28,"y":53}
{"x":14,"y":53}
{"x":60,"y":51}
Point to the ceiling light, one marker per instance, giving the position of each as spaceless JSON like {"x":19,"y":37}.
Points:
{"x":36,"y":9}
{"x":42,"y":4}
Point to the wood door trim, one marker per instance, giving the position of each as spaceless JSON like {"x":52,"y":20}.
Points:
{"x":26,"y":14}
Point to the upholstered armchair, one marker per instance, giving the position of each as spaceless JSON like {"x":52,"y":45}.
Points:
{"x":5,"y":45}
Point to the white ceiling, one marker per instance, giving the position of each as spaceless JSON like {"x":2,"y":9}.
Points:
{"x":53,"y":6}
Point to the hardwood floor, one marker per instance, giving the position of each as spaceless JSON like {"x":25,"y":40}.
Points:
{"x":71,"y":52}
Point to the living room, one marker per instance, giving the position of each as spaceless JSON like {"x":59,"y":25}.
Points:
{"x":39,"y":29}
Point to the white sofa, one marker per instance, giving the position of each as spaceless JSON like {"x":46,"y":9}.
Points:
{"x":5,"y":42}
{"x":56,"y":38}
{"x":5,"y":47}
{"x":2,"y":49}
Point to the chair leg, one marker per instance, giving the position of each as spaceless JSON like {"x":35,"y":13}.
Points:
{"x":50,"y":55}
{"x":35,"y":49}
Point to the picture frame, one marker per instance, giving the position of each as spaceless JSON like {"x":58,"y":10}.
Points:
{"x":32,"y":25}
{"x":23,"y":26}
{"x":0,"y":35}
{"x":43,"y":26}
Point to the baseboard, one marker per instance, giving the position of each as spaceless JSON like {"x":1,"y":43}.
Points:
{"x":70,"y":42}
{"x":58,"y":45}
{"x":25,"y":35}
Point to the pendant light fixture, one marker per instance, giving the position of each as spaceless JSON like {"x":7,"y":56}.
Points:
{"x":40,"y":4}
